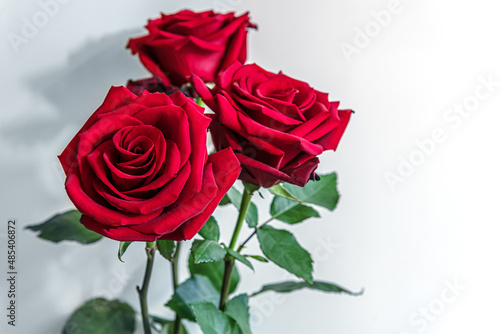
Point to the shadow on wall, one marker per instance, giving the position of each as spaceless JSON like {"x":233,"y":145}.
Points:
{"x":72,"y":90}
{"x":78,"y":87}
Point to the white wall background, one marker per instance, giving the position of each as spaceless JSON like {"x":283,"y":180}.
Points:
{"x":437,"y":226}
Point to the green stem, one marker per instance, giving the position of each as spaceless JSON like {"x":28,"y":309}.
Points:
{"x":245,"y":203}
{"x":143,"y":291}
{"x":253,"y":233}
{"x":226,"y":282}
{"x":229,"y":262}
{"x":175,"y":280}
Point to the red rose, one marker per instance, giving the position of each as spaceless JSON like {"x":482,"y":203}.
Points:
{"x":276,"y":125}
{"x":138,"y":169}
{"x":186,"y":43}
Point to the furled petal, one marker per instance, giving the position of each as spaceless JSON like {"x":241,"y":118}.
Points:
{"x":117,"y":96}
{"x":331,"y":140}
{"x":121,"y":233}
{"x":103,"y":214}
{"x":225,"y":168}
{"x":175,"y":216}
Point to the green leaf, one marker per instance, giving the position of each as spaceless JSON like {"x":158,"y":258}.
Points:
{"x":291,"y":212}
{"x":323,"y":192}
{"x":290,"y":286}
{"x":239,"y":257}
{"x":166,"y":248}
{"x":251,"y":188}
{"x":65,"y":226}
{"x":160,"y":320}
{"x":210,"y":231}
{"x":207,"y":251}
{"x":225,"y":201}
{"x":215,"y":272}
{"x":122,"y":248}
{"x":282,"y":248}
{"x":252,"y":217}
{"x":199,"y":101}
{"x":258,"y":258}
{"x":278,"y":190}
{"x":213,"y":321}
{"x":237,"y":308}
{"x":100,"y":316}
{"x":194,"y":290}
{"x":168,"y":326}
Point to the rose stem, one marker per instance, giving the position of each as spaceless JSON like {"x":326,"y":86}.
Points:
{"x":175,"y":280}
{"x":254,"y":233}
{"x":229,"y":261}
{"x":143,"y":291}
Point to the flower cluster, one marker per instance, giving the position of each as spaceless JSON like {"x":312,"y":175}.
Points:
{"x":138,"y":170}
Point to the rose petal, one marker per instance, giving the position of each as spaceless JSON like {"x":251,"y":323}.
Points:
{"x":105,"y":215}
{"x":300,"y":173}
{"x":175,"y":216}
{"x":165,"y":197}
{"x":115,"y":97}
{"x":265,"y":175}
{"x":331,"y":140}
{"x":173,"y":123}
{"x":203,"y":91}
{"x":198,"y":124}
{"x":122,"y":233}
{"x":171,"y":170}
{"x":226,"y":169}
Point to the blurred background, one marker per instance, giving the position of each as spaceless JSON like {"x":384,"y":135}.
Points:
{"x":416,"y":225}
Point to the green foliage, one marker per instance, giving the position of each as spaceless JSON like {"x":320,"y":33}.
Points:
{"x":168,"y":326}
{"x":282,"y":248}
{"x":100,"y":316}
{"x":207,"y":251}
{"x":239,"y":257}
{"x":291,"y":212}
{"x":237,"y":308}
{"x":258,"y":258}
{"x":214,"y":271}
{"x":65,"y":226}
{"x":210,"y":231}
{"x":225,"y":201}
{"x":290,"y":286}
{"x":213,"y":321}
{"x":196,"y":289}
{"x":323,"y":192}
{"x":166,"y":248}
{"x":252,"y":217}
{"x":278,"y":190}
{"x":122,"y":248}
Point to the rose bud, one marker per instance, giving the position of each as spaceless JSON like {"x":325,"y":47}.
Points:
{"x":186,"y":43}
